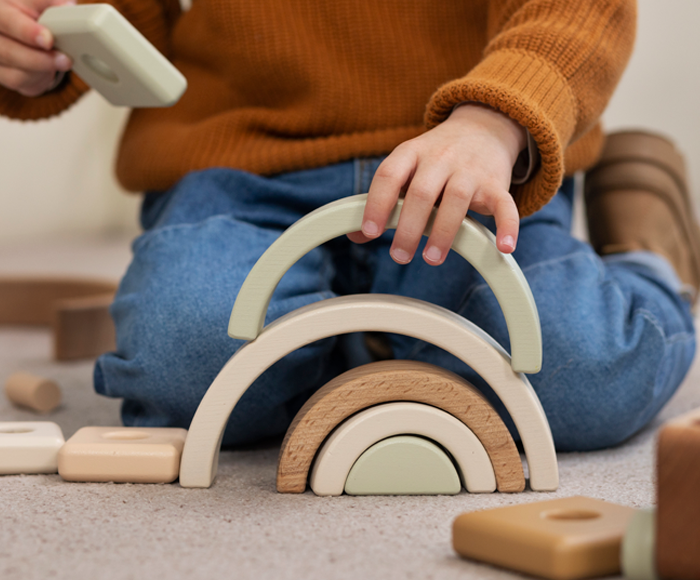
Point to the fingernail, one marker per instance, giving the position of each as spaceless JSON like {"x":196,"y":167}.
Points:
{"x":509,"y":242}
{"x":62,"y":62}
{"x":370,"y":228}
{"x":433,"y":254}
{"x":400,"y":256}
{"x":44,"y":39}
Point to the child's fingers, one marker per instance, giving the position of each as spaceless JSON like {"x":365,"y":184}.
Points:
{"x":390,"y":177}
{"x":499,"y":203}
{"x":22,"y":26}
{"x":16,"y":55}
{"x":27,"y":84}
{"x":425,"y":188}
{"x":453,"y":208}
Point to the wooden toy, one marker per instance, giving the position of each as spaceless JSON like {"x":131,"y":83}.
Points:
{"x":122,"y":454}
{"x":473,"y":242}
{"x":561,"y":539}
{"x":384,"y":382}
{"x":114,"y":58}
{"x":77,"y":309}
{"x":678,"y":498}
{"x":403,"y":465}
{"x":37,"y":393}
{"x":392,"y":314}
{"x":29,"y":447}
{"x":637,"y":555}
{"x":341,"y":451}
{"x":369,"y":312}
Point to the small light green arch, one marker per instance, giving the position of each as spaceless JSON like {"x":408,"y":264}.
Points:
{"x":473,"y":242}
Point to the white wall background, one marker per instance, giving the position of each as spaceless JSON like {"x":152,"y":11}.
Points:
{"x":56,"y":177}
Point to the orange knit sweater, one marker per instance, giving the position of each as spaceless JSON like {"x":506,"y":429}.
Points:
{"x":280,"y":85}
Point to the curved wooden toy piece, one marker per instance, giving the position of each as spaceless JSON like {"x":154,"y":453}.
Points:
{"x":369,"y":312}
{"x":349,"y":441}
{"x":473,"y":242}
{"x":422,"y":384}
{"x":77,"y":309}
{"x":403,"y":465}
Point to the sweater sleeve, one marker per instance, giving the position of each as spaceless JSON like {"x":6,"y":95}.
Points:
{"x":551,"y":65}
{"x":153,"y":18}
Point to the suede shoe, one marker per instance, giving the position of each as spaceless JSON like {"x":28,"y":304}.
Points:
{"x":637,"y":198}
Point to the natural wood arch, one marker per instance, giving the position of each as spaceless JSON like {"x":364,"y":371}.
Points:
{"x":77,"y":309}
{"x":371,"y":312}
{"x":351,"y":438}
{"x":473,"y":242}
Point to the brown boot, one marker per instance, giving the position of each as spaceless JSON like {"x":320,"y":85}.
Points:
{"x":637,"y":198}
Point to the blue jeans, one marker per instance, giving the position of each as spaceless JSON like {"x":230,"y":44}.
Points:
{"x":617,"y":337}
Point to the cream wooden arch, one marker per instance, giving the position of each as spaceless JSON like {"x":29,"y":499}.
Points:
{"x":358,"y":313}
{"x":353,"y":437}
{"x":473,"y":242}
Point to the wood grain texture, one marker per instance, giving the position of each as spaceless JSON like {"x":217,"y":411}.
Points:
{"x":473,"y":242}
{"x":77,"y":309}
{"x":678,"y":498}
{"x":369,"y":312}
{"x":387,"y":381}
{"x":340,"y":452}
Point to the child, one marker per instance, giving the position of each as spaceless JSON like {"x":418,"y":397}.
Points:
{"x":293,"y":104}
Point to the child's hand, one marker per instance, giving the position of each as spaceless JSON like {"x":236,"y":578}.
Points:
{"x":28,"y":64}
{"x":466,"y":163}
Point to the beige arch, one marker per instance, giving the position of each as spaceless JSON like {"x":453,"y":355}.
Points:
{"x":357,"y":313}
{"x":353,"y":437}
{"x":473,"y":242}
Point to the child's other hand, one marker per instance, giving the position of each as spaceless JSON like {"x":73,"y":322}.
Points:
{"x":466,"y":163}
{"x":28,"y":64}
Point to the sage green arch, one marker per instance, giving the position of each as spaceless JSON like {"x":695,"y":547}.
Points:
{"x":473,"y":242}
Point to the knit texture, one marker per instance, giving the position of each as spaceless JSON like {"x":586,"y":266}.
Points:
{"x":282,"y":85}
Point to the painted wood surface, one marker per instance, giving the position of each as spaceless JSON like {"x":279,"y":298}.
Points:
{"x":349,"y":441}
{"x":473,"y":242}
{"x":357,"y":313}
{"x":403,"y":465}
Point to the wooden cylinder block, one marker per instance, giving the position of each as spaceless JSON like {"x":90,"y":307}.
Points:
{"x":678,"y":499}
{"x":37,"y":393}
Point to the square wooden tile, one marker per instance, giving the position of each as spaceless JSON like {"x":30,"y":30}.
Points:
{"x":29,"y":447}
{"x":122,"y":454}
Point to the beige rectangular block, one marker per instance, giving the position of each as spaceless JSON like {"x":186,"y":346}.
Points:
{"x":29,"y":447}
{"x":122,"y":454}
{"x":561,"y":539}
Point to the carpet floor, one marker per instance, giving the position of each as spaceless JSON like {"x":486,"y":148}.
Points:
{"x":240,"y":527}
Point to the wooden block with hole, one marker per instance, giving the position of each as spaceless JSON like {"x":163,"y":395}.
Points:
{"x":29,"y":447}
{"x":561,"y":539}
{"x":678,"y":498}
{"x":122,"y":454}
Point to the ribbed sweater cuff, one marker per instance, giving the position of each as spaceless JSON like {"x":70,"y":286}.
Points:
{"x":16,"y":106}
{"x":533,"y":93}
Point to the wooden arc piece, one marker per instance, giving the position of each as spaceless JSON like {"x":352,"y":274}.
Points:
{"x":352,"y":437}
{"x":473,"y":242}
{"x":369,"y":312}
{"x":77,"y":309}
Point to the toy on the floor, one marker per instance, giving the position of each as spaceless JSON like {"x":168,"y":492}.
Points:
{"x":561,"y":539}
{"x":33,"y":392}
{"x":29,"y":447}
{"x":666,"y":542}
{"x":77,"y":310}
{"x":114,"y":58}
{"x":122,"y":454}
{"x":384,"y":383}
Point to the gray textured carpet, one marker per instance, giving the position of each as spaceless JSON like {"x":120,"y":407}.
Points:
{"x":240,"y":527}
